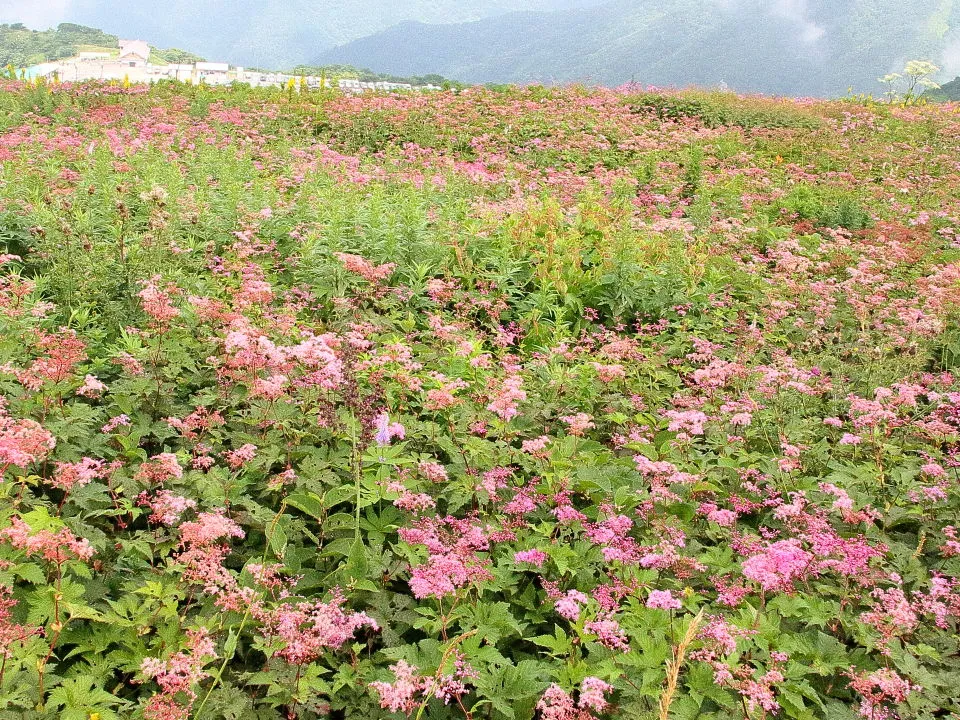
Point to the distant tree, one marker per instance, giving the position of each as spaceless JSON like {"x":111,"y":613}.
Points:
{"x":176,"y":55}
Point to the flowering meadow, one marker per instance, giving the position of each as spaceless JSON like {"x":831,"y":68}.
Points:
{"x":532,"y":403}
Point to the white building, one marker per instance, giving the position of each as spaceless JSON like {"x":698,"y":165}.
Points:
{"x":133,"y":65}
{"x":212,"y":67}
{"x":134,"y":53}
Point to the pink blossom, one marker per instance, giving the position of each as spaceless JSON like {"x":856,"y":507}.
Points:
{"x":57,"y":547}
{"x":722,"y":517}
{"x":534,"y":557}
{"x":686,"y":421}
{"x":10,"y":632}
{"x":556,"y":704}
{"x":208,"y":528}
{"x":156,"y":300}
{"x":23,"y":442}
{"x":504,"y":404}
{"x":160,"y":468}
{"x":443,"y":575}
{"x":592,"y":691}
{"x":664,"y":600}
{"x":166,"y":507}
{"x":536,"y":446}
{"x":115,"y":422}
{"x":374,"y":274}
{"x":91,"y":387}
{"x":434,"y":472}
{"x":400,"y":695}
{"x":69,"y":476}
{"x":609,"y":634}
{"x":741,"y":419}
{"x":578,"y":424}
{"x":608,"y":373}
{"x":570,"y":605}
{"x":880,"y":690}
{"x":306,"y":629}
{"x":244,"y":454}
{"x":414,"y":502}
{"x":778,"y":565}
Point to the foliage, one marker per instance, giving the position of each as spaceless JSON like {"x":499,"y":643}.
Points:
{"x":716,"y":109}
{"x":21,"y":47}
{"x":365,"y":75}
{"x":541,"y":402}
{"x":174,"y":55}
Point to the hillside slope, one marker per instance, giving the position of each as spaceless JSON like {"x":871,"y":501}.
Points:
{"x":748,"y":44}
{"x":282,"y":33}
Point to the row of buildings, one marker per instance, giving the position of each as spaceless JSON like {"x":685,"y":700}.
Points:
{"x":133,"y":65}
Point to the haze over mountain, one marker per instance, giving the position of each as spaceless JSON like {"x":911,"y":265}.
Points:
{"x":797,"y":47}
{"x":266,"y":33}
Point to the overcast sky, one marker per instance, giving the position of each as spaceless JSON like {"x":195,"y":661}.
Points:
{"x":38,"y":14}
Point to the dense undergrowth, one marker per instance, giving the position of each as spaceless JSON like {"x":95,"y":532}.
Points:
{"x":546,"y":402}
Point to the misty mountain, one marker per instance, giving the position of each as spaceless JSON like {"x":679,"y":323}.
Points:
{"x":796,"y":47}
{"x":273,"y":33}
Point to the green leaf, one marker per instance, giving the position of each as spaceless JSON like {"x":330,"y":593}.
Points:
{"x":337,"y":495}
{"x":278,"y":539}
{"x":357,"y":565}
{"x":79,"y":699}
{"x":309,"y":503}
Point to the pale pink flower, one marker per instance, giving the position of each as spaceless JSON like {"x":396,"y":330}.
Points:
{"x":578,"y":424}
{"x":778,"y":565}
{"x":114,"y":423}
{"x":570,"y":605}
{"x":400,"y":696}
{"x":592,"y":691}
{"x":236,"y":459}
{"x":664,"y":600}
{"x":91,"y":387}
{"x":534,"y":557}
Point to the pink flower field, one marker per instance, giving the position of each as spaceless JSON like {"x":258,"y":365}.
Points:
{"x":565,"y":404}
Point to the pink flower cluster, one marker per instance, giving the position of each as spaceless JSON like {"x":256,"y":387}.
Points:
{"x":374,"y":274}
{"x":69,"y":476}
{"x":453,"y":561}
{"x":664,"y":600}
{"x":504,"y":403}
{"x":12,"y":633}
{"x":244,"y":454}
{"x":22,"y":442}
{"x":880,"y":690}
{"x":165,"y":506}
{"x":578,"y":424}
{"x":91,"y":387}
{"x":411,"y":690}
{"x":157,"y":300}
{"x":160,"y":468}
{"x":306,"y":629}
{"x":56,"y":547}
{"x":177,"y":676}
{"x":557,"y":704}
{"x":777,"y":566}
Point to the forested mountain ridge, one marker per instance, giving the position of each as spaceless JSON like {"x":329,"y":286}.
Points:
{"x":817,"y":47}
